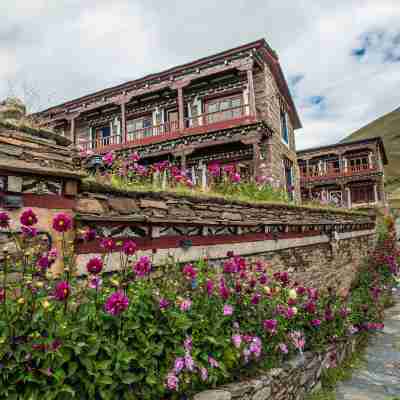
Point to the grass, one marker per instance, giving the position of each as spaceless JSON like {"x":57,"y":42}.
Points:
{"x":332,"y":376}
{"x":93,"y":184}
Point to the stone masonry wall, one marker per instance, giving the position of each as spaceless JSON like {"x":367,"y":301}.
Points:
{"x":294,"y":239}
{"x":268,"y":108}
{"x":292,"y":381}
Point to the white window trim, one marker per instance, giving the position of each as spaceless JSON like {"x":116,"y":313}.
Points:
{"x":287,"y":144}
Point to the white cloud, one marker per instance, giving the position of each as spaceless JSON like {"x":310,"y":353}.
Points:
{"x":69,"y":48}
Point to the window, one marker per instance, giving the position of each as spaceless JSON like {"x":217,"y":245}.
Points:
{"x":102,"y":136}
{"x":139,"y":127}
{"x":173,"y":120}
{"x":284,"y":127}
{"x":288,"y":171}
{"x":363,"y":194}
{"x":224,"y":108}
{"x":359,"y":163}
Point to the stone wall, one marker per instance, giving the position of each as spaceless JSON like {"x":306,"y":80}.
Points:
{"x":318,"y":247}
{"x":268,"y":104}
{"x":293,"y":381}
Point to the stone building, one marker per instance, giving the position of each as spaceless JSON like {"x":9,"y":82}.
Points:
{"x":348,"y":174}
{"x":234,"y":106}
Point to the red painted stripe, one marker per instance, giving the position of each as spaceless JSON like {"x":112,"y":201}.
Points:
{"x":171,"y":242}
{"x":49,"y":201}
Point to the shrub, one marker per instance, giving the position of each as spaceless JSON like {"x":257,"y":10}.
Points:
{"x":148,"y":333}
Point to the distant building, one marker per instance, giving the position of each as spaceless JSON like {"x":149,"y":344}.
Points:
{"x":231,"y":107}
{"x":348,"y":174}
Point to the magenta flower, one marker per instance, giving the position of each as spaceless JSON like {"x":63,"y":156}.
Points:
{"x":163,"y":304}
{"x":300,"y":290}
{"x":235,"y":178}
{"x":189,"y":362}
{"x":316,"y":323}
{"x":108,"y":244}
{"x":283,"y":348}
{"x":116,"y":303}
{"x":2,"y":295}
{"x":179,"y":364}
{"x":62,"y":223}
{"x":4,"y":220}
{"x":94,"y":265}
{"x":203,"y":374}
{"x":228,"y":310}
{"x":213,"y":362}
{"x":214,"y":169}
{"x":237,"y":340}
{"x":310,"y":307}
{"x":229,"y":169}
{"x":29,"y":231}
{"x":329,"y":316}
{"x":188,"y":344}
{"x":95,"y":282}
{"x":28,"y":218}
{"x":270,"y":325}
{"x":44,"y":262}
{"x":186,"y":304}
{"x":62,"y":291}
{"x":298,"y":340}
{"x":224,"y":291}
{"x":53,"y":254}
{"x":256,"y":299}
{"x":108,"y":159}
{"x":189,"y":271}
{"x":89,"y":235}
{"x":135,"y":157}
{"x":172,"y":381}
{"x":209,"y":287}
{"x":142,"y":267}
{"x":256,"y":346}
{"x":129,"y":247}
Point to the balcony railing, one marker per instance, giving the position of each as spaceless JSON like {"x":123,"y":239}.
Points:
{"x":100,"y":142}
{"x":218,"y":116}
{"x":337,"y":173}
{"x":206,"y":120}
{"x":155,"y":130}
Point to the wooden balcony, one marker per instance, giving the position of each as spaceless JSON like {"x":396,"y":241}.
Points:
{"x":202,"y":123}
{"x":335,"y":173}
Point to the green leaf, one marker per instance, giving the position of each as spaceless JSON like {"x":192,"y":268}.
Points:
{"x":130,"y":378}
{"x":105,"y":380}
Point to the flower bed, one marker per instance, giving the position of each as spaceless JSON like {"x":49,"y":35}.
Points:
{"x":128,"y":172}
{"x":150,"y":334}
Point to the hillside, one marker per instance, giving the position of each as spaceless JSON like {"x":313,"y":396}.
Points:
{"x":388,"y":127}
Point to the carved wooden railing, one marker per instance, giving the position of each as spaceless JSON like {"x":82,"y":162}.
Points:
{"x":338,"y":173}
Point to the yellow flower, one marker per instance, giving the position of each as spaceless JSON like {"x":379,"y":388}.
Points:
{"x":45,"y":304}
{"x":292,"y":294}
{"x":267,"y":289}
{"x":21,"y":300}
{"x":114,"y":281}
{"x":294,"y":309}
{"x":39,"y":284}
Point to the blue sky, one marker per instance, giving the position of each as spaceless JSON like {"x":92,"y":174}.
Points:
{"x":341,"y":58}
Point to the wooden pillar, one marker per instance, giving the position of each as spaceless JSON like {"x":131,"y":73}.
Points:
{"x":376,"y":193}
{"x":183,"y":161}
{"x":181,"y":108}
{"x":256,"y":159}
{"x":73,"y":130}
{"x":348,"y":197}
{"x":124,"y":131}
{"x":307,"y":167}
{"x":252,"y":98}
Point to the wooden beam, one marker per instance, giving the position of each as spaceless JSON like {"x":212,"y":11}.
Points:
{"x":252,"y":98}
{"x":124,"y":131}
{"x":181,"y":109}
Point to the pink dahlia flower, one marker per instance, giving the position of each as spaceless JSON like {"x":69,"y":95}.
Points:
{"x":129,"y":247}
{"x":28,"y":218}
{"x":62,"y":223}
{"x":116,"y":303}
{"x":62,"y":291}
{"x":94,"y":265}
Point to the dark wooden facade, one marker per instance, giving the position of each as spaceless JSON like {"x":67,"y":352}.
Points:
{"x":234,"y":106}
{"x":348,"y":174}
